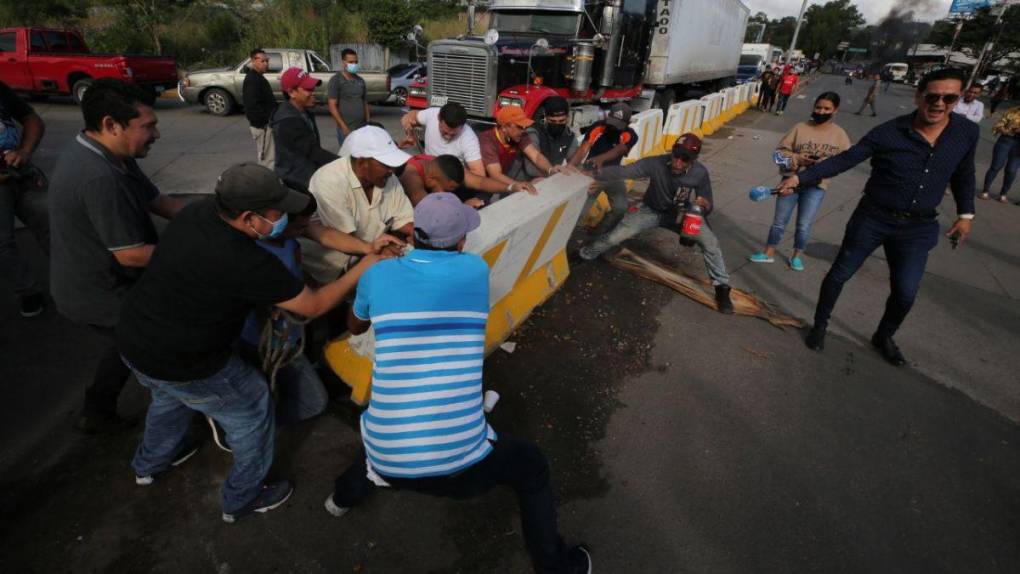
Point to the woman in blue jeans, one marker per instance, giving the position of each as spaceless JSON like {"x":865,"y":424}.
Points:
{"x":1005,"y":154}
{"x":807,"y":143}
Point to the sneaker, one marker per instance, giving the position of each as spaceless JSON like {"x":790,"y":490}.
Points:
{"x":579,"y":560}
{"x":760,"y":257}
{"x":1002,"y":199}
{"x":187,"y":451}
{"x":982,"y":195}
{"x":815,"y":339}
{"x":272,"y":495}
{"x":103,"y":424}
{"x":32,"y":305}
{"x":796,"y":264}
{"x":335,"y":510}
{"x":219,"y":436}
{"x":587,"y":253}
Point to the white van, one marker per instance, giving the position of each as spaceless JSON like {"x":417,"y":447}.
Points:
{"x":898,"y":71}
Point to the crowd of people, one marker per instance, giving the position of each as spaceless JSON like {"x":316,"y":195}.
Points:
{"x":211,"y":316}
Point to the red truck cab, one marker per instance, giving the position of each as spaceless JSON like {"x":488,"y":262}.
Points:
{"x":43,"y":61}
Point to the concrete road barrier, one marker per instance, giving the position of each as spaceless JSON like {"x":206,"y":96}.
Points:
{"x":523,"y":238}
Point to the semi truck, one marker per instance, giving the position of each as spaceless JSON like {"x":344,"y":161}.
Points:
{"x":755,"y":59}
{"x":592,"y":52}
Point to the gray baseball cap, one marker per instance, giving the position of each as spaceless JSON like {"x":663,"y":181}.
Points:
{"x":252,"y":187}
{"x":619,"y":116}
{"x":441,"y":220}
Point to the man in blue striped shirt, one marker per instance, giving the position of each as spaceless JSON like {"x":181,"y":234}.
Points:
{"x":913,"y":158}
{"x":425,"y":427}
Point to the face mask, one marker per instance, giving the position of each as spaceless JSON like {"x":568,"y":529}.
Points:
{"x":278,"y":226}
{"x":821,"y":118}
{"x":555,"y":130}
{"x":352,"y":68}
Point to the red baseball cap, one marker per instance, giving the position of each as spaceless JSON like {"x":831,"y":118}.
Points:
{"x":298,"y":78}
{"x":687,"y":146}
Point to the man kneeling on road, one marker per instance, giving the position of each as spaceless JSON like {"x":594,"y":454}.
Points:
{"x":675,"y":183}
{"x":441,"y":446}
{"x":180,"y":322}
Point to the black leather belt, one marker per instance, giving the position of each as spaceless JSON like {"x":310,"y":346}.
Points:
{"x":906,"y":215}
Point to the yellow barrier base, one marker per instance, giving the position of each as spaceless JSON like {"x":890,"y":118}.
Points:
{"x":504,"y":317}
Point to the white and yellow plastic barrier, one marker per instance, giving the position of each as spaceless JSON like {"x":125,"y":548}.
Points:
{"x":648,"y":126}
{"x":713,"y":118}
{"x":523,"y":238}
{"x":684,"y":117}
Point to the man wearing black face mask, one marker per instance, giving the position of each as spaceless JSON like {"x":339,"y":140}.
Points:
{"x":554,"y":138}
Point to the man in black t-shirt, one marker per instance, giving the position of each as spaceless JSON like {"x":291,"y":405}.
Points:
{"x":605,"y":145}
{"x":180,"y":322}
{"x":259,"y":105}
{"x":22,"y":194}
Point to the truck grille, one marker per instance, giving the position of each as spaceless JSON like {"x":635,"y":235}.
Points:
{"x":464,"y":77}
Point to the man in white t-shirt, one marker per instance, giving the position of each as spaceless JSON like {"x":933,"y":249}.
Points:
{"x":360,"y":196}
{"x":971,"y":107}
{"x":447,"y":133}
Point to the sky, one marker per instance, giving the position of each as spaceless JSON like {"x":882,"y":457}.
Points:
{"x":873,"y":10}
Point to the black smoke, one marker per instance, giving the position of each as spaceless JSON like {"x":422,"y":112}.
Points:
{"x":898,"y":31}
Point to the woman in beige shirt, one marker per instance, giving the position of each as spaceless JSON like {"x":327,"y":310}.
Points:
{"x":806,"y":144}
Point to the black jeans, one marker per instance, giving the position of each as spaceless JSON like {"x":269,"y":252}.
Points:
{"x":906,"y":243}
{"x":109,"y":379}
{"x":513,"y":462}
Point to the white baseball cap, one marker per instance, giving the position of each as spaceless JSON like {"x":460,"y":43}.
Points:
{"x":374,"y":142}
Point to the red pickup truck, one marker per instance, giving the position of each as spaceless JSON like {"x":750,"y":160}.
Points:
{"x":42,"y":61}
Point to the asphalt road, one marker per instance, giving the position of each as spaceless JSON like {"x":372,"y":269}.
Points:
{"x":680,"y":440}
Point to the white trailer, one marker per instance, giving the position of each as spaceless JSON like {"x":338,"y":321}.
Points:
{"x":696,"y":41}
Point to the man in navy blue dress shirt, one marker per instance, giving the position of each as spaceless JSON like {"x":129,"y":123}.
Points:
{"x":913,"y":158}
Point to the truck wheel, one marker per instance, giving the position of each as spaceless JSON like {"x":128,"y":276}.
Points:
{"x":79,"y":88}
{"x":219,"y":102}
{"x":400,"y":96}
{"x":663,"y":99}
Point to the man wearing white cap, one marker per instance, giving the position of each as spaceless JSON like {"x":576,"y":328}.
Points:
{"x":425,"y":428}
{"x":359,"y":195}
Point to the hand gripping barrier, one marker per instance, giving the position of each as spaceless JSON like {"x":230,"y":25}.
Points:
{"x":523,"y":238}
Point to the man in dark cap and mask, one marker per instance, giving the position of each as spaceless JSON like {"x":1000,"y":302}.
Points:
{"x":554,"y":138}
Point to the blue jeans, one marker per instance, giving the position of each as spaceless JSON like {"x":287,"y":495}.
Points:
{"x":1005,"y":154}
{"x":301,"y":392}
{"x":807,"y":202}
{"x":237,"y":397}
{"x":906,"y":244}
{"x":25,"y":199}
{"x":340,"y":137}
{"x":781,"y":102}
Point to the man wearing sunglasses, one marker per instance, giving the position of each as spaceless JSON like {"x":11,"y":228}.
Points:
{"x":913,"y":158}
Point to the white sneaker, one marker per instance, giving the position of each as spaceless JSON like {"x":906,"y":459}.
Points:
{"x":144,"y":480}
{"x":333,"y":509}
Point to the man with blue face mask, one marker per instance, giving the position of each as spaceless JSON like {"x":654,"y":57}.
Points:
{"x":346,"y":94}
{"x":179,"y":325}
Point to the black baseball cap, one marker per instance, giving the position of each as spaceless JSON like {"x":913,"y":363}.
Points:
{"x":252,"y":187}
{"x":556,"y":105}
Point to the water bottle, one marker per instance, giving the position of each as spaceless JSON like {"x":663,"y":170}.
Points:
{"x":761,"y":193}
{"x":782,"y":160}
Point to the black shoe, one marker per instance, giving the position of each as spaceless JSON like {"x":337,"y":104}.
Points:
{"x":722,"y":299}
{"x":579,"y":560}
{"x":888,"y":349}
{"x":32,"y":305}
{"x":272,"y":495}
{"x":103,"y":424}
{"x":815,"y":339}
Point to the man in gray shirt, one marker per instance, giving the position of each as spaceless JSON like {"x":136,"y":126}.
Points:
{"x":346,"y":95}
{"x":101,"y":233}
{"x":676,"y":182}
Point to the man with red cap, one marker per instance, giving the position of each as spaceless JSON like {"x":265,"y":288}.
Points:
{"x":504,"y":144}
{"x":676,"y":182}
{"x":298,"y":150}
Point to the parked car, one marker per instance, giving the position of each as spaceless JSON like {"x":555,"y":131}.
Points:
{"x":44,"y":61}
{"x":219,"y":89}
{"x":401,"y":77}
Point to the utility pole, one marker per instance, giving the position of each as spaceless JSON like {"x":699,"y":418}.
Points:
{"x":956,"y":36}
{"x":988,"y":45}
{"x":796,"y":31}
{"x":761,"y":33}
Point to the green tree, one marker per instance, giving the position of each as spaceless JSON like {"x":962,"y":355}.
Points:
{"x":780,"y":32}
{"x":153,"y":16}
{"x":42,"y":12}
{"x":979,"y":29}
{"x":826,"y":25}
{"x":389,"y":21}
{"x":754,"y":26}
